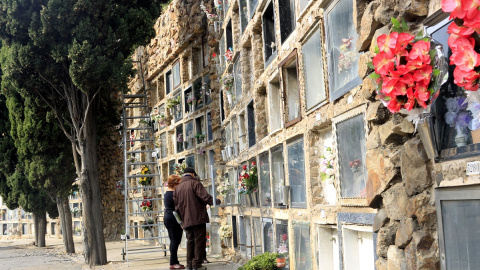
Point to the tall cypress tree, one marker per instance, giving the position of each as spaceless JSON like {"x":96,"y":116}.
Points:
{"x":44,"y":152}
{"x":14,"y":184}
{"x":73,"y":54}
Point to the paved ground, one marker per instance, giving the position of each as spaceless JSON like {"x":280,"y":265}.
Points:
{"x":22,"y":255}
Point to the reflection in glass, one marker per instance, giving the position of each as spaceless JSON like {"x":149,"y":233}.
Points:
{"x":313,"y":69}
{"x":303,"y":255}
{"x":264,"y":173}
{"x":296,"y":174}
{"x":278,"y":175}
{"x":351,"y":156}
{"x":461,"y":232}
{"x":342,"y":55}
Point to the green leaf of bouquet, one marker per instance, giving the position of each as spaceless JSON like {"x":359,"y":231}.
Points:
{"x":374,"y":76}
{"x":370,"y":65}
{"x":436,"y":72}
{"x":404,"y":26}
{"x":419,"y":36}
{"x":395,"y":22}
{"x":377,"y":50}
{"x":432,"y":54}
{"x":323,"y":176}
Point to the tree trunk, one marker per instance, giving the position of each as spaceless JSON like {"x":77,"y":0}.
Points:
{"x":66,"y":221}
{"x":93,"y":239}
{"x":35,"y":226}
{"x":42,"y":229}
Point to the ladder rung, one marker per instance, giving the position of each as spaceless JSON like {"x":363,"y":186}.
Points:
{"x":143,"y":175}
{"x":146,"y":212}
{"x":147,"y":238}
{"x":141,"y":200}
{"x":146,"y":225}
{"x":133,"y":103}
{"x":147,"y":248}
{"x":139,"y":128}
{"x":140,"y":140}
{"x":144,"y":187}
{"x":140,"y":151}
{"x":141,"y":163}
{"x":135,"y":96}
{"x":137,"y":117}
{"x":135,"y":106}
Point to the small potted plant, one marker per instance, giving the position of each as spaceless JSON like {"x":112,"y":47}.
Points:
{"x":200,"y":137}
{"x":282,"y":253}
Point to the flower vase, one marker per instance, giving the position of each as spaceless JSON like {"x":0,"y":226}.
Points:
{"x":229,"y":98}
{"x":461,"y":138}
{"x":281,"y":262}
{"x":171,"y":111}
{"x":229,"y":151}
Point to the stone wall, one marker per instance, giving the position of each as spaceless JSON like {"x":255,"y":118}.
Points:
{"x":400,"y":182}
{"x":110,"y":164}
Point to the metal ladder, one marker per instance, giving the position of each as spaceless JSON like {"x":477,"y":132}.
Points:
{"x":150,"y":220}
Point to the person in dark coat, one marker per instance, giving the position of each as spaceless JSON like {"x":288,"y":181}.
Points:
{"x":174,"y":230}
{"x":191,"y":198}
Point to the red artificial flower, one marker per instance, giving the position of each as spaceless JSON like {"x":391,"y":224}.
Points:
{"x":411,"y":100}
{"x":214,"y":55}
{"x":462,"y":31}
{"x":404,"y":39}
{"x":419,"y":50}
{"x":454,"y":7}
{"x":422,"y":92}
{"x":393,"y":106}
{"x":149,"y":203}
{"x":466,"y":79}
{"x":457,"y":43}
{"x":400,"y":89}
{"x":388,"y":84}
{"x":254,"y":163}
{"x":246,"y":175}
{"x":424,"y":74}
{"x":244,"y":167}
{"x":383,"y":63}
{"x":407,"y":79}
{"x":284,"y":237}
{"x":472,"y":15}
{"x":466,"y":59}
{"x":387,"y":43}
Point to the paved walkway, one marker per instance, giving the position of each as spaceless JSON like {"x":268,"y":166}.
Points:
{"x":20,"y":254}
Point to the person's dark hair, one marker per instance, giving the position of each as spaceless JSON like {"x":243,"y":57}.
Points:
{"x":173,"y":181}
{"x":189,"y":170}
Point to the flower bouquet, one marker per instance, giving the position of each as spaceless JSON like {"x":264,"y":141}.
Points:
{"x":408,"y":71}
{"x":355,"y":165}
{"x":225,"y":188}
{"x":147,"y":204}
{"x":180,"y":137}
{"x":200,"y":137}
{"x":201,"y":151}
{"x":248,"y":180}
{"x":145,"y":181}
{"x":327,"y":171}
{"x":228,"y":81}
{"x":229,"y":55}
{"x":210,"y":16}
{"x":464,"y":41}
{"x":348,"y":55}
{"x":179,"y":168}
{"x":207,"y":240}
{"x":119,"y":185}
{"x":225,"y":231}
{"x":458,"y":117}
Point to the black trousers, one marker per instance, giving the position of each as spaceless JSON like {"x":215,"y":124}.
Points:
{"x":175,"y":234}
{"x":196,"y":245}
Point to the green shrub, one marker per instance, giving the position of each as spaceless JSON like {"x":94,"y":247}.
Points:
{"x":265,"y":261}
